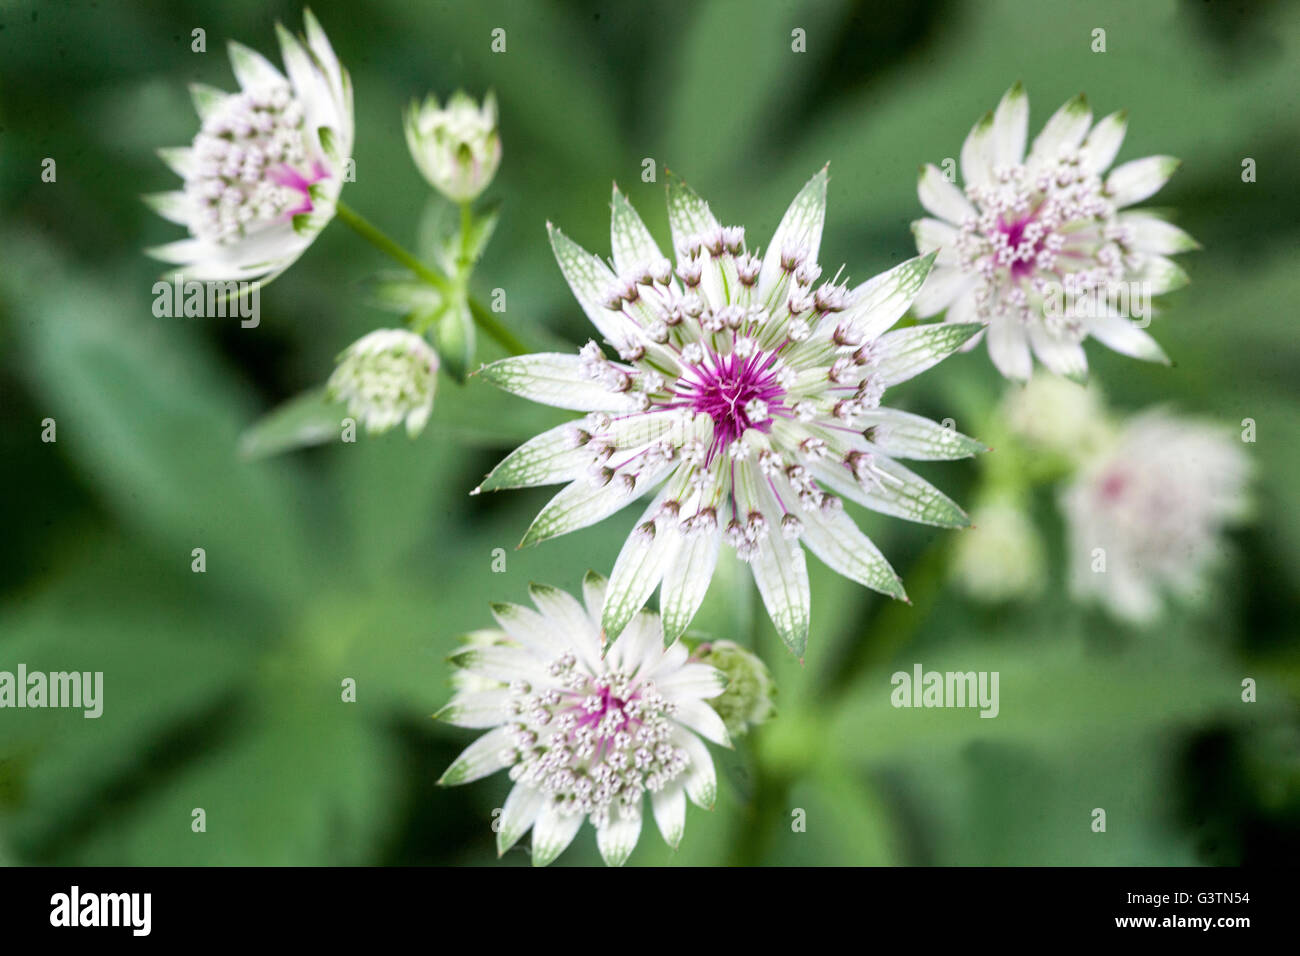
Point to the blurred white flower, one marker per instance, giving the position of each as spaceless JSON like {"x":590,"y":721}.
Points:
{"x":457,"y":148}
{"x":266,"y":168}
{"x":386,"y":376}
{"x":1058,"y":416}
{"x":747,"y":701}
{"x":586,"y":729}
{"x":1001,"y":557}
{"x":1148,"y":515}
{"x":1037,"y":246}
{"x":747,"y":396}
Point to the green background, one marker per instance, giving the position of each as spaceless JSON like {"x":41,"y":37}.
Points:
{"x":367,"y":560}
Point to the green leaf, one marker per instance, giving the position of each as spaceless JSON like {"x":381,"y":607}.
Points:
{"x":400,"y":292}
{"x":1141,"y":689}
{"x":305,"y":780}
{"x":154,"y":418}
{"x":310,"y":418}
{"x":482,"y":226}
{"x":454,"y":340}
{"x":175,"y":658}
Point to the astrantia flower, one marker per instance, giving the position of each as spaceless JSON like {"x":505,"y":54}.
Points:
{"x":457,"y":148}
{"x":1155,"y":505}
{"x":746,"y":394}
{"x":265,"y":170}
{"x":385,"y":377}
{"x":585,"y":728}
{"x":1038,"y":247}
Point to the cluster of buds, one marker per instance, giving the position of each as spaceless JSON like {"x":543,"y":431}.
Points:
{"x":385,"y":377}
{"x":747,"y":700}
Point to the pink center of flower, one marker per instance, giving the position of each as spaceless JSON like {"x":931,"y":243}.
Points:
{"x":1015,"y":235}
{"x":1113,"y":486}
{"x":737,"y":393}
{"x":289,"y":177}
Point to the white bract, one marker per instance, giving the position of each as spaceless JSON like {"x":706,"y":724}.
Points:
{"x":385,"y":377}
{"x":585,"y":728}
{"x":1041,"y":247}
{"x":1148,"y":515}
{"x":264,"y":172}
{"x":746,"y":397}
{"x":457,"y":148}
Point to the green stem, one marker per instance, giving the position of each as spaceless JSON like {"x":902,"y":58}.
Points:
{"x":381,"y":241}
{"x":490,"y":324}
{"x":466,"y":224}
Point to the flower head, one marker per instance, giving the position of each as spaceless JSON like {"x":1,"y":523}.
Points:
{"x":457,"y":147}
{"x":746,"y":395}
{"x":586,"y":728}
{"x":386,"y":376}
{"x":1148,"y":514}
{"x":1040,"y":246}
{"x":747,"y":701}
{"x":265,"y":170}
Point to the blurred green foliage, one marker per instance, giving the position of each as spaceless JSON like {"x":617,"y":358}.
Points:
{"x":366,"y":561}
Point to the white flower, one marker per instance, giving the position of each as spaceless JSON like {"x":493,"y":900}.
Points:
{"x":386,"y":376}
{"x":745,"y":398}
{"x":265,"y":170}
{"x":1001,"y":557}
{"x":1148,"y":515}
{"x":586,"y":729}
{"x":1038,"y":247}
{"x":457,"y":148}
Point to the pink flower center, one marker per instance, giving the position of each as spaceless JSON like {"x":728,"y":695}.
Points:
{"x":737,"y":393}
{"x":1112,"y":486}
{"x":288,"y":176}
{"x":1015,"y":235}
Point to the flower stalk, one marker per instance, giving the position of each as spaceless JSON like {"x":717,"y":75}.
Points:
{"x":451,"y":288}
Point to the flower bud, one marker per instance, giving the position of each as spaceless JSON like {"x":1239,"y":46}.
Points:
{"x":387,"y":376}
{"x":1001,"y":557}
{"x":747,"y":701}
{"x":1059,"y":417}
{"x":457,"y":148}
